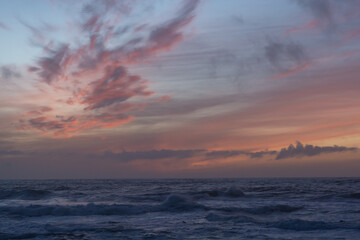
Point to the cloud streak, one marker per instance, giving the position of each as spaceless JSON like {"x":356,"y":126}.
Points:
{"x":199,"y":154}
{"x":309,"y":150}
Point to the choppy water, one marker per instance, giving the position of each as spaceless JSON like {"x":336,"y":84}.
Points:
{"x":180,"y":209}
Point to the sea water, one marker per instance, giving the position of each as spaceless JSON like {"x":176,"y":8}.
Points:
{"x":318,"y":208}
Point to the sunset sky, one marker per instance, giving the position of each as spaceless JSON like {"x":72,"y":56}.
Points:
{"x":142,"y":89}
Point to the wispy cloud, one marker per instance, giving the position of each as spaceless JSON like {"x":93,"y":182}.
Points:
{"x":285,"y":57}
{"x":321,"y":9}
{"x":93,"y":72}
{"x":4,"y":26}
{"x":9,"y":72}
{"x":197,"y":154}
{"x":328,"y":15}
{"x":116,"y":86}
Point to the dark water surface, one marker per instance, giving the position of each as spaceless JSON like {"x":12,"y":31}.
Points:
{"x":316,"y":208}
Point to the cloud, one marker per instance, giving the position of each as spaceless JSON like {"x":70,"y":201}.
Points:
{"x":311,"y":25}
{"x":285,"y":56}
{"x":185,"y":105}
{"x":116,"y":86}
{"x":164,"y":37}
{"x":9,"y":72}
{"x":309,"y":150}
{"x":200,"y":154}
{"x":288,"y":58}
{"x":4,"y":27}
{"x":330,"y":15}
{"x":321,"y":9}
{"x":44,"y":124}
{"x":54,"y":65}
{"x":234,"y":153}
{"x":61,"y":126}
{"x":40,"y":110}
{"x":91,"y":71}
{"x":105,"y":120}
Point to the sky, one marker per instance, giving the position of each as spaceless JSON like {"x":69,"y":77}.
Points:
{"x":183,"y":88}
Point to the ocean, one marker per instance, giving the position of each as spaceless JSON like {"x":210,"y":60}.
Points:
{"x":311,"y":208}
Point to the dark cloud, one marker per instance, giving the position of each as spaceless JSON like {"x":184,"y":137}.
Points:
{"x":54,"y":65}
{"x":234,"y":153}
{"x":285,"y":56}
{"x":331,"y":14}
{"x":59,"y":125}
{"x":3,"y":26}
{"x":43,"y":123}
{"x":9,"y":72}
{"x":238,"y":19}
{"x":321,"y":9}
{"x":40,"y":110}
{"x":116,"y":86}
{"x":309,"y":150}
{"x":45,"y":109}
{"x":168,"y":34}
{"x":261,"y":154}
{"x":202,"y":154}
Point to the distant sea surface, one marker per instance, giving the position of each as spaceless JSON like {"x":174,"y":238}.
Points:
{"x":318,"y":208}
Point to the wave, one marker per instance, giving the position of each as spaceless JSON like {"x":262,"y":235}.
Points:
{"x":232,"y":192}
{"x":273,"y":209}
{"x":172,"y":203}
{"x":40,"y":235}
{"x":213,"y":217}
{"x":355,"y":195}
{"x":263,"y":210}
{"x":352,"y":195}
{"x":179,"y":202}
{"x":290,"y":224}
{"x":305,"y":225}
{"x":79,"y":210}
{"x":28,"y":194}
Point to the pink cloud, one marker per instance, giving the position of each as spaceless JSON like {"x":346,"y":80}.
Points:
{"x":311,"y":25}
{"x":295,"y":70}
{"x":93,"y":74}
{"x":115,"y":86}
